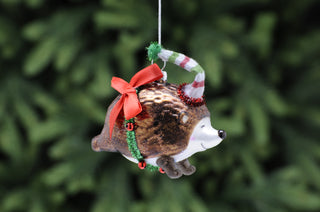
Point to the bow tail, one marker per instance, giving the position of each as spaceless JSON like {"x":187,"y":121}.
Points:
{"x":114,"y":114}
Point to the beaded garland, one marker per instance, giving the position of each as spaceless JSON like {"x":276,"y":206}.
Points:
{"x":133,"y":147}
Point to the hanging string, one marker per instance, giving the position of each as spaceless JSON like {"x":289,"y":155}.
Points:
{"x":155,"y":48}
{"x":159,"y":22}
{"x":159,"y":39}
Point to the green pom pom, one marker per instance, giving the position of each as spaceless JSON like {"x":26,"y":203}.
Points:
{"x":153,"y":51}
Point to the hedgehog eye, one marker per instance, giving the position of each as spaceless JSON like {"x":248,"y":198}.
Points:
{"x":202,"y":126}
{"x":185,"y":118}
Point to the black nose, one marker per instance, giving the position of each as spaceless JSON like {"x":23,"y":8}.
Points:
{"x":222,"y":134}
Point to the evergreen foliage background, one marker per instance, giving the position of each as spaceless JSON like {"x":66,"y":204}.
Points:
{"x":262,"y":65}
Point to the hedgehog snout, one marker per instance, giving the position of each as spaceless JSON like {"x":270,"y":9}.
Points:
{"x":222,"y":134}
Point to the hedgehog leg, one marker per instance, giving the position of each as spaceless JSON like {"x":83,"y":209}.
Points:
{"x":186,"y":167}
{"x":169,"y":166}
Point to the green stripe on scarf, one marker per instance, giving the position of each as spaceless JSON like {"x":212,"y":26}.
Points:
{"x":197,"y":69}
{"x":173,"y":57}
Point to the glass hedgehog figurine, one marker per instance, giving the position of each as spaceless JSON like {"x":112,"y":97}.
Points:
{"x":172,"y":122}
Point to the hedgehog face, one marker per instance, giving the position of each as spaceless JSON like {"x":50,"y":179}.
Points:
{"x":202,"y":138}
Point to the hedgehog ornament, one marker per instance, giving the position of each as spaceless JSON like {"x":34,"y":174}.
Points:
{"x":156,"y":124}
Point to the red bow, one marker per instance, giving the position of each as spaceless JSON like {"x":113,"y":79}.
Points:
{"x":129,"y":99}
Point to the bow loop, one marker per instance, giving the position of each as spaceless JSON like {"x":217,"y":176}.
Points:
{"x":121,"y":86}
{"x":129,"y":101}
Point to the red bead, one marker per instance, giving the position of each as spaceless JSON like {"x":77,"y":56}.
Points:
{"x":130,"y":126}
{"x":161,"y":171}
{"x":142,"y":164}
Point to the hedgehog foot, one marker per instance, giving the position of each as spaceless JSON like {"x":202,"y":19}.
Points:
{"x":169,"y":166}
{"x":186,"y":167}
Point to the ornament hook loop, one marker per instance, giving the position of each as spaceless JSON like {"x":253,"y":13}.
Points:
{"x":165,"y":75}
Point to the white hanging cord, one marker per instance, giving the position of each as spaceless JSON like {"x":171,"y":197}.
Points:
{"x":159,"y":40}
{"x":159,"y":22}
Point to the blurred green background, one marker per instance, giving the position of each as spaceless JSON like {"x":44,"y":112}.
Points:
{"x":262,"y":66}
